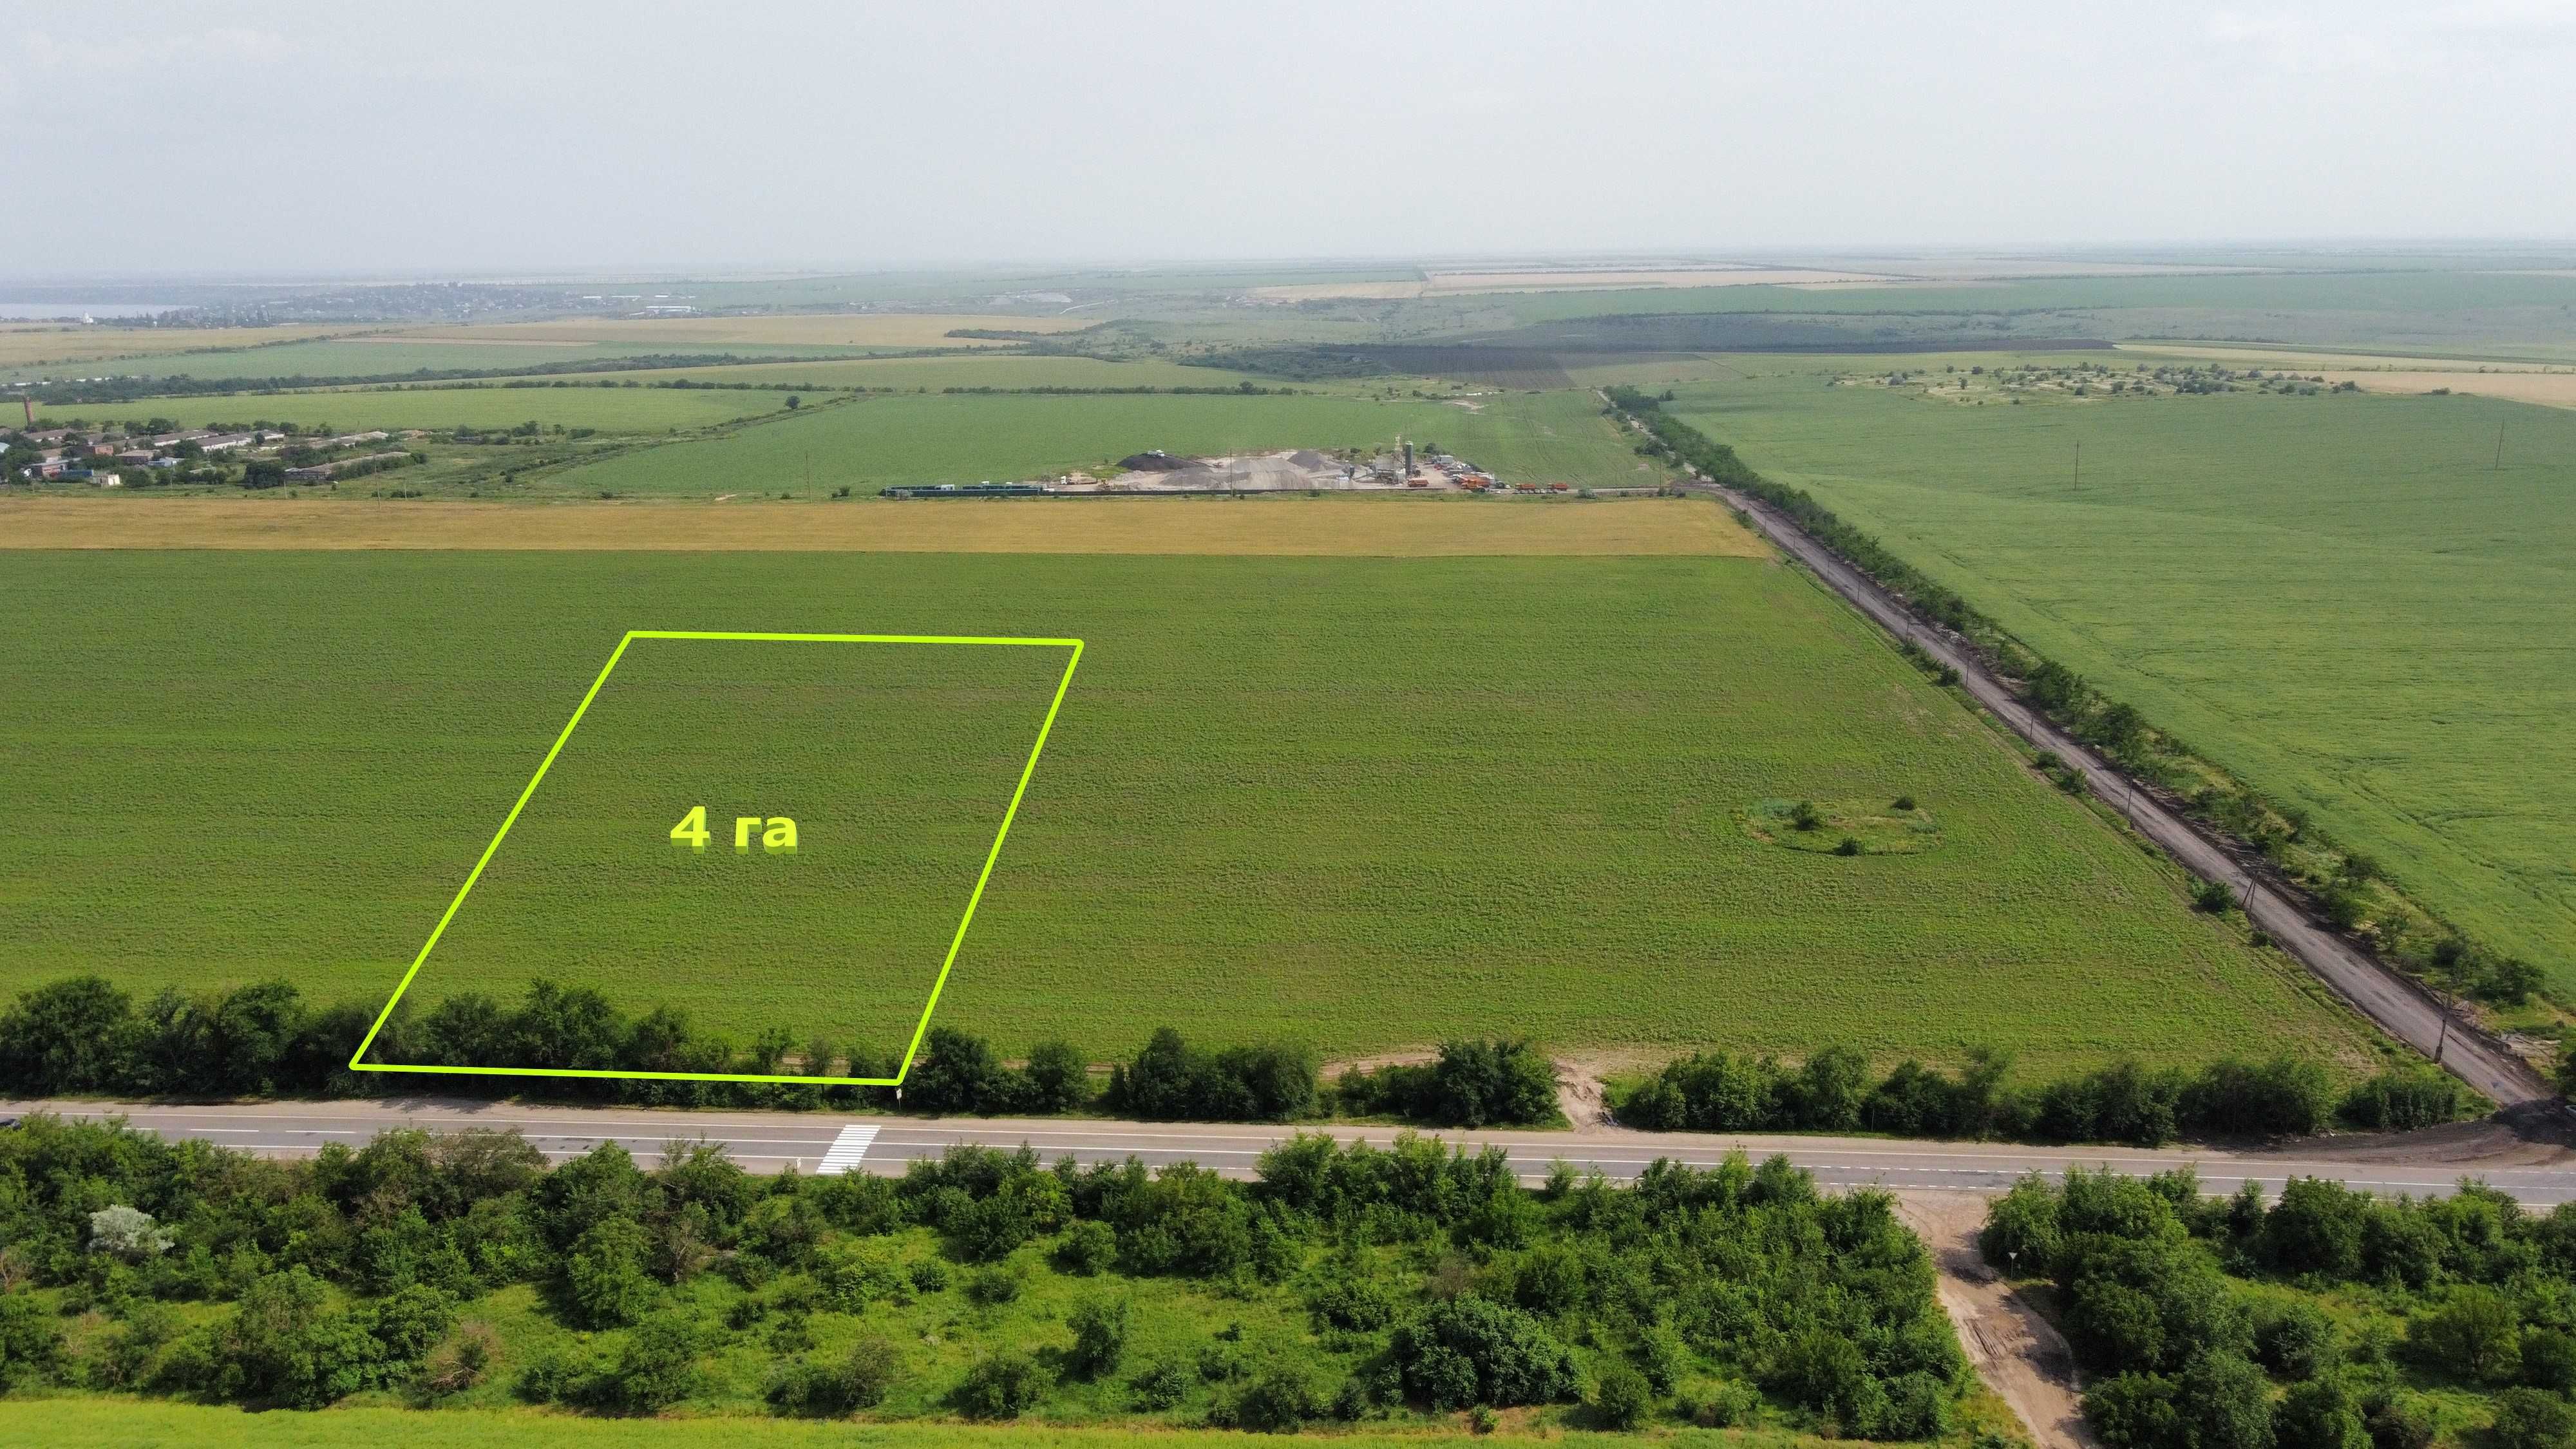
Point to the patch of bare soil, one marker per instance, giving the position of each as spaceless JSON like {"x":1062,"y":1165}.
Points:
{"x":2016,"y":1351}
{"x":2537,"y":1134}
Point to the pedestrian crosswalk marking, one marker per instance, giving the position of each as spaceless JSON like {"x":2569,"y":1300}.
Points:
{"x":847,"y":1149}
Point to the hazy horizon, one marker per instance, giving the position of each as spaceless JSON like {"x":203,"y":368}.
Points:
{"x":279,"y":140}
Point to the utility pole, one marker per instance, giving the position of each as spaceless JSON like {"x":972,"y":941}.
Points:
{"x":2499,"y":457}
{"x":2079,"y":465}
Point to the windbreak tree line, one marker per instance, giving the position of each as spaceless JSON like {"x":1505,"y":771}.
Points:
{"x":85,"y":1036}
{"x":2206,"y":1323}
{"x":1418,"y":1280}
{"x":1834,"y":1091}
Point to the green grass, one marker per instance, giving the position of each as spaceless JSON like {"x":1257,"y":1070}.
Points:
{"x":608,"y":409}
{"x":968,"y":439}
{"x":1365,"y":803}
{"x":2337,"y":598}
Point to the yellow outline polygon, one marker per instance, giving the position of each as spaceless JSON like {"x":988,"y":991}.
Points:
{"x":972,"y":900}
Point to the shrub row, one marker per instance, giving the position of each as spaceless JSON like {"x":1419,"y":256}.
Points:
{"x":1832,"y":1091}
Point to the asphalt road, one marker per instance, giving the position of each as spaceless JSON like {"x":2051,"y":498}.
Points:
{"x":774,"y":1141}
{"x":2401,"y":1008}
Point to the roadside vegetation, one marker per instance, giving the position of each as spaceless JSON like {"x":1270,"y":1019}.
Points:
{"x":1404,"y":1286}
{"x":84,"y":1037}
{"x":2325,"y":1318}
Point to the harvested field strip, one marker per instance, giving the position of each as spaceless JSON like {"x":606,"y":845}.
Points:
{"x":1385,"y":527}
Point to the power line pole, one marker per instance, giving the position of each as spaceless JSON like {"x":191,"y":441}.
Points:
{"x":2499,"y":457}
{"x":2079,"y":465}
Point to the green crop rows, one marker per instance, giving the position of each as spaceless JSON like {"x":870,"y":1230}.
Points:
{"x":1365,"y":803}
{"x":2342,"y":598}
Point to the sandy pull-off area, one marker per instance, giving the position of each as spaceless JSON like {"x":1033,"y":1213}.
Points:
{"x":1394,"y":527}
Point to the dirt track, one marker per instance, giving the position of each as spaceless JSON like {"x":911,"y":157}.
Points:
{"x":2016,"y":1351}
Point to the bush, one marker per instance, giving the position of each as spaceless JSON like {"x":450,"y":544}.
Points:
{"x":1163,"y":1384}
{"x":2549,"y":1360}
{"x":1170,"y":1081}
{"x":1004,"y":1385}
{"x":1472,"y":1351}
{"x":994,"y":1285}
{"x":1099,"y":1336}
{"x":2318,"y":1414}
{"x":2532,"y":1419}
{"x":1279,"y":1400}
{"x":655,"y":1368}
{"x":1621,"y":1397}
{"x":859,"y":1381}
{"x":31,"y":1344}
{"x":2215,"y":897}
{"x":2403,"y":1099}
{"x":1089,"y":1248}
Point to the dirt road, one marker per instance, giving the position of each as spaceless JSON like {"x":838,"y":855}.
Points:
{"x":2401,"y":1008}
{"x":2019,"y":1355}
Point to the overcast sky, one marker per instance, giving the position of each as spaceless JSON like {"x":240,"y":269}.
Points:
{"x":400,"y":137}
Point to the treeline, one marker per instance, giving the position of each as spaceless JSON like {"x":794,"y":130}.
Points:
{"x":85,"y":1036}
{"x":2342,"y":893}
{"x":1426,"y":1281}
{"x":1834,"y":1091}
{"x":2185,"y":1357}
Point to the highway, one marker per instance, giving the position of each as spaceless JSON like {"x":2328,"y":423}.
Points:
{"x":2402,"y":1008}
{"x":767,"y":1142}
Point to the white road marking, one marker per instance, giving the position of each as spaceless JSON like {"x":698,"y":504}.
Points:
{"x":847,"y":1149}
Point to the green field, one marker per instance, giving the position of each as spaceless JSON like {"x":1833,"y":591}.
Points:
{"x":607,"y":409}
{"x":394,"y":355}
{"x":1556,"y":437}
{"x":1363,"y":803}
{"x":1006,"y":370}
{"x":2339,"y":598}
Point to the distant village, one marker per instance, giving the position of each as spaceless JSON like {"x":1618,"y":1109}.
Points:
{"x":268,"y":457}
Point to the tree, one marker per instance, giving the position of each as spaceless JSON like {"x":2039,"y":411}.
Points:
{"x":2476,"y":1334}
{"x":31,"y":1344}
{"x":1487,"y":1082}
{"x":959,"y":1073}
{"x":2225,"y":1403}
{"x":604,"y":1282}
{"x":2533,"y":1419}
{"x":74,"y":1035}
{"x":1059,"y":1077}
